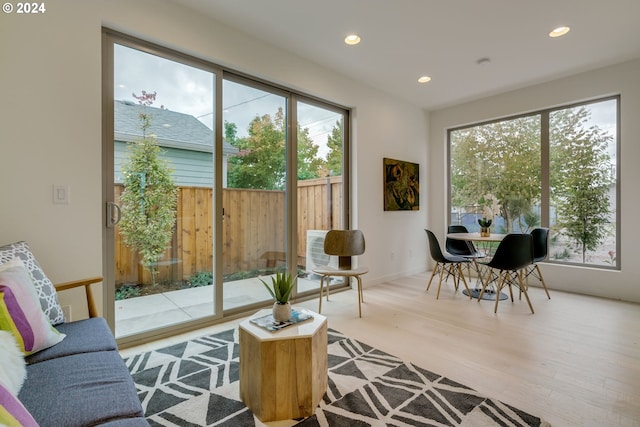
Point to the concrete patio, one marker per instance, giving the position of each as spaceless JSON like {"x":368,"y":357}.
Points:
{"x":144,"y":313}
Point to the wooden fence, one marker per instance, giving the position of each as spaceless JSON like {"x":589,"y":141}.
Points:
{"x":253,"y":230}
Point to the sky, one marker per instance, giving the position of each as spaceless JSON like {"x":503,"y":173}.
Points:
{"x":190,"y":90}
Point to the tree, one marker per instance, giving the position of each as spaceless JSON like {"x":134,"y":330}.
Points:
{"x":261,"y":160}
{"x":502,"y":159}
{"x":148,"y":200}
{"x":580,"y":177}
{"x":309,"y":164}
{"x":335,"y":142}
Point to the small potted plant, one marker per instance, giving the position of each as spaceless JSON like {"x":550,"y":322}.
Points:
{"x":484,"y":226}
{"x":280,"y":289}
{"x":490,"y":207}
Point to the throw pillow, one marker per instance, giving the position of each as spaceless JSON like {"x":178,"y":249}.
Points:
{"x":12,"y":411}
{"x":12,"y":369}
{"x":20,"y":311}
{"x":44,"y":288}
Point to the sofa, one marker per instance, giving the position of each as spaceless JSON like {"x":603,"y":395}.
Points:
{"x":78,"y":377}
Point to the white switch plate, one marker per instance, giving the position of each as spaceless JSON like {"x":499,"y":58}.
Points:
{"x":61,"y":194}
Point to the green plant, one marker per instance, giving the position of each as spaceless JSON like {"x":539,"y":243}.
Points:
{"x":530,"y":219}
{"x":201,"y":278}
{"x":127,"y":291}
{"x":281,"y":286}
{"x":148,"y":201}
{"x":484,"y":222}
{"x":562,"y":255}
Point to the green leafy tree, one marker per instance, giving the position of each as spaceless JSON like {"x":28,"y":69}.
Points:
{"x":230,"y":132}
{"x":309,"y":164}
{"x":261,"y":160}
{"x":580,"y":177}
{"x":502,"y":159}
{"x":148,"y":200}
{"x":334,"y":142}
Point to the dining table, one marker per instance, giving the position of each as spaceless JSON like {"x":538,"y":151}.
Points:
{"x":486,"y":245}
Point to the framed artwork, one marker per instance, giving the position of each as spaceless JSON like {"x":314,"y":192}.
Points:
{"x":401,"y":185}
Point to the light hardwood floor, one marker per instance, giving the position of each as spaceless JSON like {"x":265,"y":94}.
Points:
{"x":575,"y":362}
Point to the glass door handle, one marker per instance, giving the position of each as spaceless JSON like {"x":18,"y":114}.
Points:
{"x":114,"y":214}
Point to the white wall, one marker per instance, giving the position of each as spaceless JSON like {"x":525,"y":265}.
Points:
{"x":50,"y":129}
{"x":620,"y":79}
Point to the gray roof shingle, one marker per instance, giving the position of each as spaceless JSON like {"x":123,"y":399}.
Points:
{"x":171,"y":129}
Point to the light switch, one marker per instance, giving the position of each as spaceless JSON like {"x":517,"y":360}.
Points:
{"x":61,"y":194}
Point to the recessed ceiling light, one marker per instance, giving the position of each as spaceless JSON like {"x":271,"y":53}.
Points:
{"x":424,"y":79}
{"x":352,"y":39}
{"x":560,"y":31}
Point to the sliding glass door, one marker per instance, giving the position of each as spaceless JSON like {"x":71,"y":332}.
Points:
{"x":163,"y":182}
{"x":212,"y":182}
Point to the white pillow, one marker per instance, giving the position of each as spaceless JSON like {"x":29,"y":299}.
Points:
{"x":20,"y":310}
{"x":13,"y":371}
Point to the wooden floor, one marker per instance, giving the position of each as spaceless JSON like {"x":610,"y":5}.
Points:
{"x":575,"y":362}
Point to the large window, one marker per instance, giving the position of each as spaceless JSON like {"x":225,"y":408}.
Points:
{"x":555,"y":168}
{"x":218,"y":180}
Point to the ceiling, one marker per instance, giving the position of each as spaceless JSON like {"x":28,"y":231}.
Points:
{"x":444,"y":39}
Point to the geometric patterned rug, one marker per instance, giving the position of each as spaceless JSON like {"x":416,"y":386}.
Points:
{"x":195,"y":383}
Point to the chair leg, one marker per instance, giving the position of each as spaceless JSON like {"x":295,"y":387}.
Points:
{"x":498,"y":290}
{"x":451,"y":271}
{"x":484,"y":284}
{"x":442,"y":269}
{"x":464,"y":281}
{"x":526,"y":294}
{"x":510,"y":287}
{"x":321,"y":292}
{"x":544,"y":285}
{"x":433,"y":273}
{"x":510,"y":291}
{"x":359,"y":295}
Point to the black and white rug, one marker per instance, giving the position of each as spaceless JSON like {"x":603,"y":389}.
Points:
{"x":195,"y":383}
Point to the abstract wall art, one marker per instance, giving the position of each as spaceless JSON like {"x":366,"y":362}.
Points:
{"x":401,"y":185}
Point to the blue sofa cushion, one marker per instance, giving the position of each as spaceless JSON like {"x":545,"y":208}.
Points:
{"x":80,"y":390}
{"x":83,"y":336}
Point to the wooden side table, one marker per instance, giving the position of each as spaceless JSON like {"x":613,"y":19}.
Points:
{"x":283,"y":374}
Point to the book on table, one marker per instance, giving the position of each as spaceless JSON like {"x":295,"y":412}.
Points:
{"x":269,"y":323}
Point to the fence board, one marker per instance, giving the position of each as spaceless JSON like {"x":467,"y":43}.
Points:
{"x":253,"y":230}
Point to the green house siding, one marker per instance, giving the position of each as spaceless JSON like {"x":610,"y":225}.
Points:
{"x":190,"y":168}
{"x":186,"y":143}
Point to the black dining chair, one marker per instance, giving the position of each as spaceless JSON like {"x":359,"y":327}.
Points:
{"x":450,"y":264}
{"x":540,"y":237}
{"x":463,"y":248}
{"x":514,"y":253}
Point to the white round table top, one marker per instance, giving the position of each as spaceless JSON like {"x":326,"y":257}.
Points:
{"x":476,"y":237}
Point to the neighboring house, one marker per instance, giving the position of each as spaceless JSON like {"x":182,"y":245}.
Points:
{"x":186,"y":142}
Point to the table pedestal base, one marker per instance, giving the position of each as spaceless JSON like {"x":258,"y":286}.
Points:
{"x":489,"y":294}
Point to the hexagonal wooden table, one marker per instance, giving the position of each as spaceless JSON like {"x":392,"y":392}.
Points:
{"x":283,"y":374}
